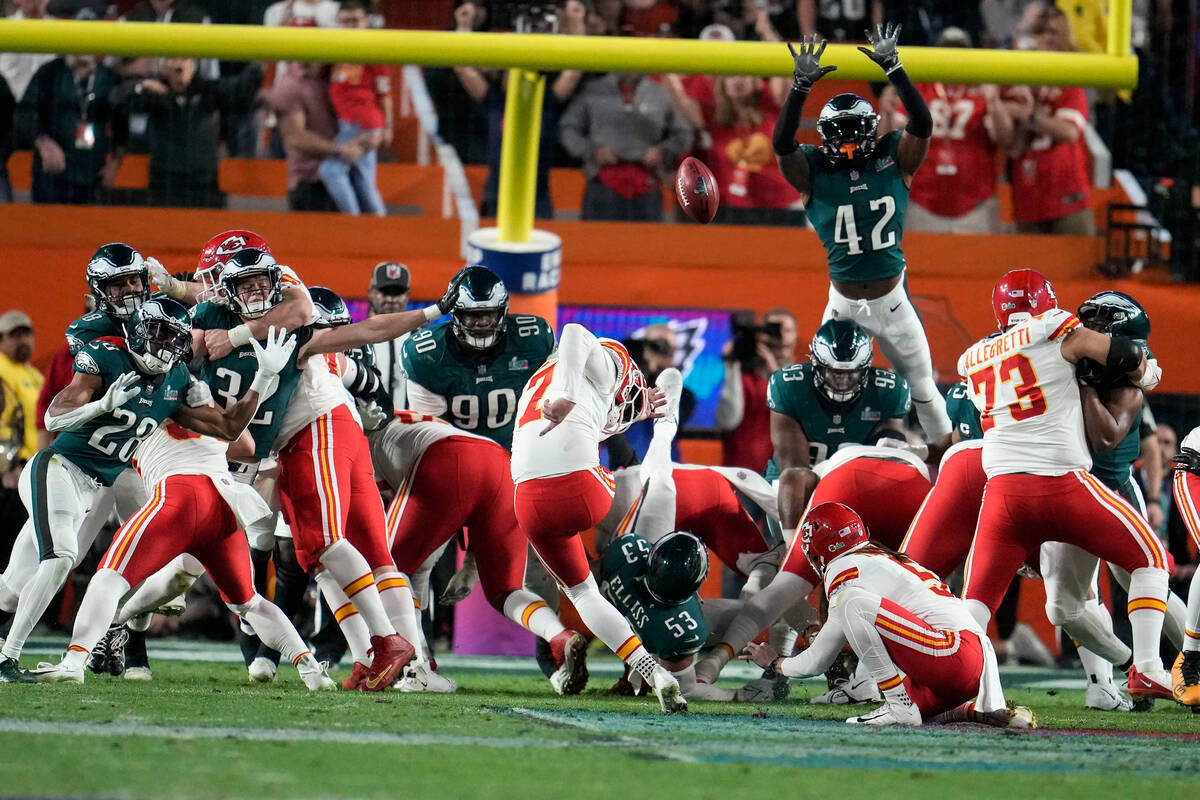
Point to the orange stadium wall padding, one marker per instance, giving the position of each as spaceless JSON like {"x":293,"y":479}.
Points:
{"x":46,"y":248}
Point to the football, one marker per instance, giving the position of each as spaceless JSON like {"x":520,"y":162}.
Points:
{"x":696,"y":190}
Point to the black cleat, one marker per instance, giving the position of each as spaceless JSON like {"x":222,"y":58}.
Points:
{"x":118,"y":636}
{"x":11,"y":672}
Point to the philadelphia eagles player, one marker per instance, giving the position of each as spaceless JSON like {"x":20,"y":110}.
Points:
{"x":136,"y":382}
{"x":855,"y":190}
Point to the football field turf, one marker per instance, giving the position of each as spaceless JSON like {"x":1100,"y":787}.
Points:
{"x":200,"y":730}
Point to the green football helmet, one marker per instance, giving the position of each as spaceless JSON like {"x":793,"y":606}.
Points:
{"x":677,"y":565}
{"x":478,"y":315}
{"x":1116,"y":314}
{"x":330,"y":307}
{"x":159,"y":334}
{"x":841,"y":357}
{"x":246,"y":301}
{"x":847,"y":125}
{"x":110,"y":262}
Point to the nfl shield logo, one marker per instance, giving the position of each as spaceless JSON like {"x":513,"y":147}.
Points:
{"x":393,"y":271}
{"x":837,"y":419}
{"x":853,"y":174}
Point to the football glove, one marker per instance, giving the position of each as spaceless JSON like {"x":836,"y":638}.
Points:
{"x":1187,"y":460}
{"x":808,"y":69}
{"x":885,"y":54}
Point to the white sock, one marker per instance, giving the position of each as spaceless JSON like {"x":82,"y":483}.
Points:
{"x":35,"y":598}
{"x":532,"y":613}
{"x":272,"y":627}
{"x":1097,"y":668}
{"x":397,"y":598}
{"x":1191,"y":642}
{"x":1175,"y":624}
{"x":1147,"y":606}
{"x":353,"y":575}
{"x":171,"y":581}
{"x":607,"y":623}
{"x":932,"y":415}
{"x":351,"y":623}
{"x":95,"y":615}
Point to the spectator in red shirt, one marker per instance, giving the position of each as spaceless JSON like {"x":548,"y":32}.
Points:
{"x":742,"y":414}
{"x":955,"y":189}
{"x":362,"y":102}
{"x":1048,"y":168}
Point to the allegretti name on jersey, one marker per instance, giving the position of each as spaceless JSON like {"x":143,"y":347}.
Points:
{"x":987,"y":350}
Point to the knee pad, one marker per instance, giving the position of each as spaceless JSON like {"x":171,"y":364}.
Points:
{"x":1062,"y":611}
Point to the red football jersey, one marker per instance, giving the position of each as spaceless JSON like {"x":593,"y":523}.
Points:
{"x":1049,"y":180}
{"x":960,"y":171}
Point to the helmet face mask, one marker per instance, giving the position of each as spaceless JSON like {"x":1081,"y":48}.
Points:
{"x":675,"y":568}
{"x":159,"y":335}
{"x":480,"y":312}
{"x":112,"y":271}
{"x":847,"y":125}
{"x":1115,"y":314}
{"x":632,"y":397}
{"x":841,"y":356}
{"x":252,"y":283}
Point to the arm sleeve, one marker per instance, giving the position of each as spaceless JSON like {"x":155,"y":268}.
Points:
{"x":783,"y":139}
{"x":920,"y":122}
{"x":818,"y":657}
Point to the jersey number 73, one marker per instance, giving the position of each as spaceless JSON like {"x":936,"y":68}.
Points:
{"x":1030,"y":402}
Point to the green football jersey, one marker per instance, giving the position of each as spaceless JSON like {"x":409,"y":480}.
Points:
{"x":103,"y":446}
{"x":90,"y":327}
{"x":669,"y":632}
{"x":792,"y":391}
{"x":476,"y":395}
{"x":858,"y":212}
{"x":1115,"y":467}
{"x":962,"y":412}
{"x":230,"y":377}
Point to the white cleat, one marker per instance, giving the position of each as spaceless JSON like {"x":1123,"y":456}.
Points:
{"x":262,"y":670}
{"x":670,"y":380}
{"x":57,"y":673}
{"x":314,"y":674}
{"x":666,"y":689}
{"x":1106,"y":697}
{"x":137,"y":674}
{"x":418,"y":677}
{"x":890,"y":714}
{"x":845,"y":693}
{"x":1019,"y":717}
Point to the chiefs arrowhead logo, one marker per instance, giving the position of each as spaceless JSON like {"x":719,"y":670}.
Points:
{"x":231,"y":245}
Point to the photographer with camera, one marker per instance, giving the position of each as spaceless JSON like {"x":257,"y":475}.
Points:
{"x":753,"y":353}
{"x":653,"y":349}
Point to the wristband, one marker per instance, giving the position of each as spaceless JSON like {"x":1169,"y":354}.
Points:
{"x":431,"y":312}
{"x":240,"y":335}
{"x":264,"y":383}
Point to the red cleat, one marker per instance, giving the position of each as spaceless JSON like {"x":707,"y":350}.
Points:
{"x":357,"y":676}
{"x":391,"y":654}
{"x":569,"y":650}
{"x":1155,"y":684}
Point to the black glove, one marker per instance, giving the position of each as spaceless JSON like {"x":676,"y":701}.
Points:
{"x":1187,"y":460}
{"x":446,"y":304}
{"x":884,"y":42}
{"x":808,"y":69}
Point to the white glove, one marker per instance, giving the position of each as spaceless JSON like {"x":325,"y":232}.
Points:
{"x":164,"y":280}
{"x":272,"y":359}
{"x":199,"y":394}
{"x":121,"y":391}
{"x":1150,"y":377}
{"x":462,"y":583}
{"x":373,"y":417}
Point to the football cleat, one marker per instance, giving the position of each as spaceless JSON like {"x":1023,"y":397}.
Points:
{"x":1185,"y":679}
{"x":314,"y":674}
{"x":1106,"y":697}
{"x":849,"y":692}
{"x":114,"y":649}
{"x":262,"y":670}
{"x":57,"y":673}
{"x":420,"y":677}
{"x":11,"y":672}
{"x":670,"y":380}
{"x":890,"y":714}
{"x":763,"y":690}
{"x":569,"y":650}
{"x":1156,"y":683}
{"x":357,"y":676}
{"x":173,"y":607}
{"x":392,"y":652}
{"x":98,"y":659}
{"x":138,"y":674}
{"x":1020,"y":717}
{"x":666,"y":689}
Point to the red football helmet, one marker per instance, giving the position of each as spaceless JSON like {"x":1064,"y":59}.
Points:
{"x":828,"y":531}
{"x":632,"y":396}
{"x":218,"y":250}
{"x":1021,"y":294}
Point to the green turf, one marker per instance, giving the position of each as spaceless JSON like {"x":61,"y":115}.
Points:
{"x":199,"y":730}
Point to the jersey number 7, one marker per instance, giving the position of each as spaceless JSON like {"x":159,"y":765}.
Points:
{"x":1030,"y":402}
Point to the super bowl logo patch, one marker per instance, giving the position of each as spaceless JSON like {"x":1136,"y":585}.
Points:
{"x":518,"y":363}
{"x":880,"y":166}
{"x":171,"y":395}
{"x":85,"y":363}
{"x":870,"y":415}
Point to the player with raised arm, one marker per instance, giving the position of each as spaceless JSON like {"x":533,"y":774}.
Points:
{"x":855,"y":191}
{"x":138,"y":382}
{"x":1036,"y":459}
{"x":917,"y":640}
{"x":590,"y":390}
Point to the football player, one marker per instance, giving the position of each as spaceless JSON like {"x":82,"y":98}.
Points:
{"x":589,"y":391}
{"x":917,"y":640}
{"x":855,"y":190}
{"x":1185,"y":674}
{"x":140,"y":381}
{"x":1036,"y":459}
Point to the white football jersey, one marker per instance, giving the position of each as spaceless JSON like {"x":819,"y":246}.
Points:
{"x":318,"y":392}
{"x":906,"y":583}
{"x":582,"y":371}
{"x":397,"y":448}
{"x":1192,"y":440}
{"x":1028,"y":398}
